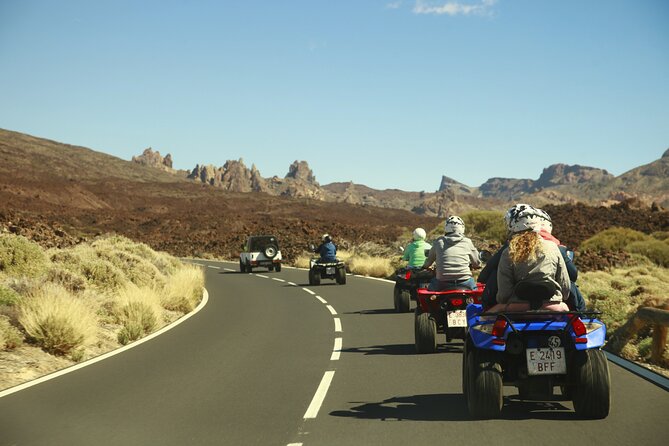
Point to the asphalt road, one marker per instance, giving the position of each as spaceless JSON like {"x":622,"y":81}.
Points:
{"x":253,"y":368}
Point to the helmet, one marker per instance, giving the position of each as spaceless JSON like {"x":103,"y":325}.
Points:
{"x":528,"y":219}
{"x":513,"y":212}
{"x":546,"y":223}
{"x":419,"y":234}
{"x":454,"y":224}
{"x":326,"y":238}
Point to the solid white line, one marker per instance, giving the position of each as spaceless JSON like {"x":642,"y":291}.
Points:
{"x":214,"y":267}
{"x":317,"y":401}
{"x":336,"y":351}
{"x":203,"y":302}
{"x":292,"y":283}
{"x":321,"y":299}
{"x":309,"y":291}
{"x":278,"y":280}
{"x":332,"y":310}
{"x":260,"y":275}
{"x":337,"y":324}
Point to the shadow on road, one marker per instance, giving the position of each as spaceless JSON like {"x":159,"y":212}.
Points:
{"x":450,"y":407}
{"x":400,"y":349}
{"x":376,"y":311}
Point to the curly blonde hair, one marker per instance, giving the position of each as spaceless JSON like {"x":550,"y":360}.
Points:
{"x":525,"y":246}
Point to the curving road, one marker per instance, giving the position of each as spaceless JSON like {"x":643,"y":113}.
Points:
{"x":261,"y":364}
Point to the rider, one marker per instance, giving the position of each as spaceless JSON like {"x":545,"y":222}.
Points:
{"x":327,"y":250}
{"x":415,"y":251}
{"x":531,"y":259}
{"x":453,"y":254}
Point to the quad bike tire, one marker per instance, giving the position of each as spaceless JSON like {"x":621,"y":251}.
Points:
{"x":242,"y":268}
{"x":465,"y":371}
{"x":425,"y":332}
{"x":402,"y":300}
{"x":340,"y":276}
{"x":591,"y":392}
{"x":271,"y":251}
{"x":314,"y":278}
{"x":483,"y":384}
{"x":277,"y":267}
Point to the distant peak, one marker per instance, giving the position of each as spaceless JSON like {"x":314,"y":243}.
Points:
{"x":666,"y":154}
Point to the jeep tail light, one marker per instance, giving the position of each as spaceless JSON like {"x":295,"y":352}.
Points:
{"x":457,"y":302}
{"x":500,"y":327}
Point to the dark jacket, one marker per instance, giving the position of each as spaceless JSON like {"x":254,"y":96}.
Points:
{"x":327,"y":251}
{"x":488,"y":276}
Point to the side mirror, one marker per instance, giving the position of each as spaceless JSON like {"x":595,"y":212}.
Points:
{"x":570,"y":255}
{"x":312,"y":248}
{"x":484,"y":255}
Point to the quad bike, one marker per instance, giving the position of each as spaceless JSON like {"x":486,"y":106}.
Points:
{"x":535,"y":350}
{"x":326,"y":270}
{"x":442,"y":312}
{"x":407,"y":282}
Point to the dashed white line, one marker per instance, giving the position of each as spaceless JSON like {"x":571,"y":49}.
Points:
{"x":229,"y":269}
{"x":277,"y":279}
{"x":331,"y":309}
{"x":319,"y":397}
{"x":213,"y":267}
{"x":321,"y":299}
{"x":336,"y":351}
{"x":291,"y":283}
{"x":260,"y":275}
{"x":309,"y":291}
{"x":337,"y":323}
{"x":294,"y":444}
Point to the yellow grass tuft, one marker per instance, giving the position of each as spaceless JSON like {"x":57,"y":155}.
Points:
{"x":370,"y":266}
{"x":138,"y":311}
{"x":10,"y":336}
{"x":58,"y":322}
{"x":183,"y":289}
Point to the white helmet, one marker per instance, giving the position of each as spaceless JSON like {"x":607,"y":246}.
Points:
{"x":419,"y":234}
{"x":513,"y":212}
{"x":546,"y":223}
{"x":529,"y":219}
{"x":454,"y":224}
{"x":326,"y":238}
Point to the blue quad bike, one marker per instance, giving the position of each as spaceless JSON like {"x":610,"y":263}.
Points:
{"x":535,"y":351}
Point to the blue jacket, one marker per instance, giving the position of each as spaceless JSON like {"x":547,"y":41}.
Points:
{"x":327,"y":251}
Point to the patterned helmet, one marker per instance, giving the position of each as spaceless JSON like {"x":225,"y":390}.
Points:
{"x":454,"y":224}
{"x":513,"y":212}
{"x":546,"y":222}
{"x":419,"y":234}
{"x":528,"y":219}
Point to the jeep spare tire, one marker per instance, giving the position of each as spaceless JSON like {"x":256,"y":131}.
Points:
{"x":271,"y":251}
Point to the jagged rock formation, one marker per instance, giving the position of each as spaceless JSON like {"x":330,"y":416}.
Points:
{"x":448,"y":183}
{"x":153,"y":159}
{"x":558,"y":174}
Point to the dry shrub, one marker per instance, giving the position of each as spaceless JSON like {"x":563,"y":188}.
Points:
{"x":302,"y":261}
{"x":613,"y":239}
{"x":10,"y":336}
{"x":138,"y":311}
{"x":165,"y":263}
{"x":21,"y":257}
{"x":58,"y":322}
{"x":84,"y":261}
{"x":8,"y":296}
{"x":488,"y":225}
{"x":139,"y":271}
{"x":370,"y":266}
{"x":183,"y":290}
{"x":657,"y":251}
{"x":70,"y":280}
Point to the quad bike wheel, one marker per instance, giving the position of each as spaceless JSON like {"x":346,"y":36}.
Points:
{"x":340,"y":276}
{"x":277,"y":267}
{"x":425,"y":332}
{"x":402,"y":301}
{"x":591,"y":393}
{"x":314,"y":278}
{"x":483,"y":384}
{"x":242,"y":268}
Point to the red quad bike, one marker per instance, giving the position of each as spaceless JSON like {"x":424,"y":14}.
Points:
{"x":442,"y":312}
{"x":407,"y":282}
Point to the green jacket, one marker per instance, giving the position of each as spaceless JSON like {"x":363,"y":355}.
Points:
{"x":415,"y":253}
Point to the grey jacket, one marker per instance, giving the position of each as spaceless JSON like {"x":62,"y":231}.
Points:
{"x":549,"y":266}
{"x":453,"y":254}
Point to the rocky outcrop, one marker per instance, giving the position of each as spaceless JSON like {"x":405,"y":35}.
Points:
{"x":559,"y":174}
{"x":153,"y":159}
{"x":450,"y":184}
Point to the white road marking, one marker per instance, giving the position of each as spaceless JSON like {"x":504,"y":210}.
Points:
{"x":229,"y":269}
{"x":337,"y":322}
{"x":214,"y":267}
{"x":319,"y":397}
{"x":291,"y":283}
{"x":294,"y":444}
{"x":336,"y":351}
{"x":203,"y":302}
{"x":321,"y":299}
{"x":309,"y":291}
{"x":332,"y":310}
{"x":260,"y":275}
{"x":277,"y":279}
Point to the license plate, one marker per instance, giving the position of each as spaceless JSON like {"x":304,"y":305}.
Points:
{"x":329,"y":270}
{"x":457,"y":318}
{"x":546,"y":361}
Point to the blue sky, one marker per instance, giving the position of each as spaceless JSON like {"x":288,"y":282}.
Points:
{"x":387,"y":93}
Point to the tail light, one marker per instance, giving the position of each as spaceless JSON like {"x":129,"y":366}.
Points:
{"x":578,"y":327}
{"x":407,"y":275}
{"x":499,"y":327}
{"x":457,"y":302}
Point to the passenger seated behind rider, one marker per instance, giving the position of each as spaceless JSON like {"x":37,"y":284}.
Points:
{"x":327,"y":250}
{"x":415,"y":251}
{"x":453,"y":254}
{"x":532,"y":260}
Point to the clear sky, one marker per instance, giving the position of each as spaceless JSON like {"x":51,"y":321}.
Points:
{"x":387,"y":93}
